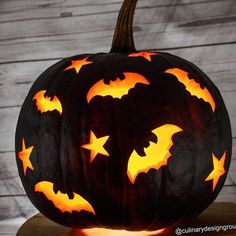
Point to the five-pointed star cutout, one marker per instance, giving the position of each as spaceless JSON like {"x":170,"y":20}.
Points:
{"x":24,"y":156}
{"x":146,"y":55}
{"x":95,"y":146}
{"x":78,"y":64}
{"x":218,"y":170}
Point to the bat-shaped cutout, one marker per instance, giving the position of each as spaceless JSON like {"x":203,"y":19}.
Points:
{"x":61,"y":201}
{"x":117,"y":88}
{"x":157,"y":154}
{"x":45,"y":103}
{"x":192,"y":86}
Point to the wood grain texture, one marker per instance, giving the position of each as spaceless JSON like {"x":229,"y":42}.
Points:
{"x":15,"y":206}
{"x":36,"y":34}
{"x":161,"y":26}
{"x":9,"y":227}
{"x":218,"y":62}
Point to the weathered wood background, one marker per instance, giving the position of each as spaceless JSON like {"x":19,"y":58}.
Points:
{"x":36,"y":34}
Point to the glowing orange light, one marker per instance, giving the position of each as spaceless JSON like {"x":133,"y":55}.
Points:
{"x":218,"y":170}
{"x":62,"y":201}
{"x":192,"y":86}
{"x":157,"y":154}
{"x":95,"y":146}
{"x":24,"y":156}
{"x":111,"y":232}
{"x":78,"y":64}
{"x":146,"y":55}
{"x":45,"y":103}
{"x":117,"y":88}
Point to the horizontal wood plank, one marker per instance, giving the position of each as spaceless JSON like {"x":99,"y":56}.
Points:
{"x":227,"y":194}
{"x":20,"y":206}
{"x":155,"y":27}
{"x":148,"y":36}
{"x":231,"y":178}
{"x":29,"y":10}
{"x":219,"y":62}
{"x":16,"y":206}
{"x":9,"y":227}
{"x":15,"y":83}
{"x":10,"y":184}
{"x":15,"y":5}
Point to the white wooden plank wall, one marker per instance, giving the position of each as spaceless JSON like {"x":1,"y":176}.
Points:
{"x":35,"y":34}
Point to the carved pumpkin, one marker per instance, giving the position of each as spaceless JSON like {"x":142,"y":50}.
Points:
{"x":127,"y":139}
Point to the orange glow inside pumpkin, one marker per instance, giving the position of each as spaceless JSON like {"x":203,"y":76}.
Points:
{"x":111,"y":232}
{"x":61,"y":201}
{"x":45,"y":103}
{"x":146,"y":55}
{"x":192,"y":86}
{"x":157,"y":154}
{"x":218,"y":170}
{"x":117,"y":88}
{"x":95,"y":146}
{"x":78,"y":64}
{"x":24,"y":156}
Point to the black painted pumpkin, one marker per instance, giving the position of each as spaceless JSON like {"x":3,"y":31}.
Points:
{"x":126,"y":139}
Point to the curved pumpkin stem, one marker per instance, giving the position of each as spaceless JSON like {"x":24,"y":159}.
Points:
{"x":123,"y":40}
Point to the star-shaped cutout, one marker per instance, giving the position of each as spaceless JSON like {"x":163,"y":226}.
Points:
{"x":78,"y":64}
{"x":95,"y":146}
{"x":146,"y":55}
{"x":218,"y":170}
{"x":24,"y":156}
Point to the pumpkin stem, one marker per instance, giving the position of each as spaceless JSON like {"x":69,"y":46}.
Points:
{"x":123,"y":40}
